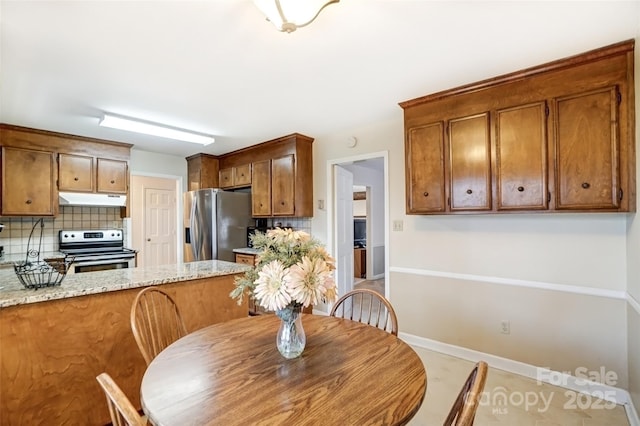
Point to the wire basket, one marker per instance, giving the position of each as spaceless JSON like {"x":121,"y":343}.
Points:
{"x":35,"y":273}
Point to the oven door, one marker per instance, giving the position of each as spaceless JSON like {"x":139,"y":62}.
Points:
{"x":100,"y":265}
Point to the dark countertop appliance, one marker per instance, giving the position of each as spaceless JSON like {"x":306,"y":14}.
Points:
{"x":96,"y":249}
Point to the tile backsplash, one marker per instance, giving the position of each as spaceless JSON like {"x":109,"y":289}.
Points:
{"x":15,"y":236}
{"x":297,"y":223}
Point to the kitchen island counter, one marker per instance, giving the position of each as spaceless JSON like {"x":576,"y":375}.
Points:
{"x":12,"y":292}
{"x":56,"y":340}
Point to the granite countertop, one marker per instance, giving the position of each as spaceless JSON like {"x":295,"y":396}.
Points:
{"x":246,"y":250}
{"x":8,"y":259}
{"x":12,"y":292}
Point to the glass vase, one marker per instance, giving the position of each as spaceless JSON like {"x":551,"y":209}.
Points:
{"x":291,"y":339}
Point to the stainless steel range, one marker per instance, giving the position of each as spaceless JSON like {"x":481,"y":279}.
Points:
{"x":96,"y":249}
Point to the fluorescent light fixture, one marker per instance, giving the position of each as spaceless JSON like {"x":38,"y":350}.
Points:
{"x":133,"y":125}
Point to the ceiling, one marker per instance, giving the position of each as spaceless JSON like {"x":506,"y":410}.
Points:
{"x":218,"y":67}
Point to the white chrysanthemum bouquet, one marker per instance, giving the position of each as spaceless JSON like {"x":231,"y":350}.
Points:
{"x":293,"y":270}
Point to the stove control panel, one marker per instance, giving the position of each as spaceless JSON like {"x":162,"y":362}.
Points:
{"x":90,"y":235}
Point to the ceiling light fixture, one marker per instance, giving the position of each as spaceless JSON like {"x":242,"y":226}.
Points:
{"x":289,"y":15}
{"x":133,"y":125}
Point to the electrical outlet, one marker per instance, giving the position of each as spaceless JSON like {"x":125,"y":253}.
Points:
{"x":397,"y":225}
{"x":505,"y":327}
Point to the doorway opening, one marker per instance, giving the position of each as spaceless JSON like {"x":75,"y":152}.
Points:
{"x":348,"y":178}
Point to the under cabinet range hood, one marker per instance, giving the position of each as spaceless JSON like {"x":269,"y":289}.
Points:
{"x":86,"y":199}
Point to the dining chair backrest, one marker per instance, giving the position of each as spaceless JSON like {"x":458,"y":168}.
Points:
{"x":155,"y":321}
{"x":367,"y":306}
{"x":463,"y":411}
{"x":122,"y":411}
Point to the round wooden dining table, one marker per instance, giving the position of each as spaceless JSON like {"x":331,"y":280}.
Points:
{"x":231,"y":373}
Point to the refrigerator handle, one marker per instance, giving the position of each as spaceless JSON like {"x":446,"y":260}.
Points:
{"x":194,"y":232}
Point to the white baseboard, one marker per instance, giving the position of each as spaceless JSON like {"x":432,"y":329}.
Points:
{"x":595,"y":389}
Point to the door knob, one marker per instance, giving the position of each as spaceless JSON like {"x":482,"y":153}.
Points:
{"x":148,"y":239}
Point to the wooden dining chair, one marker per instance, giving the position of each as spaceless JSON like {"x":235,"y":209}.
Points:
{"x":122,"y":411}
{"x":463,"y":411}
{"x":155,"y":321}
{"x":367,"y":306}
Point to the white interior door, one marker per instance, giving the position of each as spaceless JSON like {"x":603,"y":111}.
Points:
{"x":160,"y":227}
{"x":344,"y":229}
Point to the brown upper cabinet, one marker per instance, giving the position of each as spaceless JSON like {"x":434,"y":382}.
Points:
{"x":469,"y":163}
{"x":112,"y":176}
{"x":521,"y":157}
{"x":76,"y":173}
{"x":261,"y":189}
{"x":587,"y":154}
{"x":558,"y":137}
{"x":202,"y":171}
{"x":282,"y":186}
{"x":79,"y":173}
{"x":36,"y":164}
{"x":28,"y":178}
{"x":279,"y":173}
{"x":235,"y":177}
{"x":281,"y":177}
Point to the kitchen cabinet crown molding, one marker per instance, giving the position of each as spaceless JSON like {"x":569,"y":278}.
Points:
{"x":616,"y":49}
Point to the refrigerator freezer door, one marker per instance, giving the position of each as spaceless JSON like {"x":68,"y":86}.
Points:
{"x":186,"y":224}
{"x":215,"y":223}
{"x":234,"y":216}
{"x":199,"y":221}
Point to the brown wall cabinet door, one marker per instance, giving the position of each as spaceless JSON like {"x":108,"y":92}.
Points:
{"x":194,"y":178}
{"x":242,"y":175}
{"x":261,"y":188}
{"x":521,"y":157}
{"x":470,"y":163}
{"x":202,"y":172}
{"x":283,"y":186}
{"x":425,"y":169}
{"x":235,"y":176}
{"x":586,"y":148}
{"x":226,"y":178}
{"x":75,"y":173}
{"x":112,"y":176}
{"x":27,"y":182}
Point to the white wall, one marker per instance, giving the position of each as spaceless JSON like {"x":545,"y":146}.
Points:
{"x":159,"y":165}
{"x":633,"y":269}
{"x":489,"y":268}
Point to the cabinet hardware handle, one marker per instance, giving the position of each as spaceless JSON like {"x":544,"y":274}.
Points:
{"x":469,"y":191}
{"x":76,"y":179}
{"x":586,"y":185}
{"x":426,"y":194}
{"x":282,"y":203}
{"x":148,"y":239}
{"x":113,"y":181}
{"x":28,"y":201}
{"x":521,"y":188}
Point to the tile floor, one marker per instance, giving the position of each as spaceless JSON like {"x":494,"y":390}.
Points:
{"x":508,"y":399}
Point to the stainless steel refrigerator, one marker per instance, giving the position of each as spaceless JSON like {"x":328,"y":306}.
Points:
{"x":215,"y":223}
